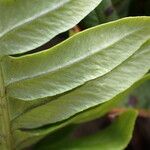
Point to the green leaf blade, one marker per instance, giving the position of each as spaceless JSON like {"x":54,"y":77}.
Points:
{"x":85,"y":59}
{"x":36,"y":22}
{"x":23,"y":138}
{"x":90,"y":94}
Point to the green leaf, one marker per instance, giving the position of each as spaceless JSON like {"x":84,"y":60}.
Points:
{"x":55,"y":85}
{"x":25,"y":25}
{"x":24,"y":138}
{"x":114,"y":137}
{"x":28,"y":137}
{"x":87,"y":57}
{"x":99,"y":111}
{"x":133,"y":64}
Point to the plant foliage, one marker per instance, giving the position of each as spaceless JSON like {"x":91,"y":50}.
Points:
{"x":44,"y":91}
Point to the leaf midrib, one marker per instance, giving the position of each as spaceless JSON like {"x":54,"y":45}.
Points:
{"x":7,"y":138}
